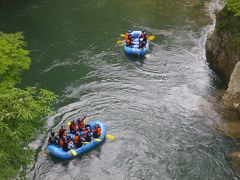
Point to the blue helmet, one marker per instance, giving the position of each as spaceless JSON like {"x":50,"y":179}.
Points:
{"x":77,"y":133}
{"x":64,"y":138}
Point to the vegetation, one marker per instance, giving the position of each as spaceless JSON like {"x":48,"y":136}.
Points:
{"x":233,"y":6}
{"x":22,"y":111}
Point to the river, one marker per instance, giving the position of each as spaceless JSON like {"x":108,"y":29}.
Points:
{"x":160,"y":108}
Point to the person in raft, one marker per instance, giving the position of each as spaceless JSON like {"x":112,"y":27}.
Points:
{"x":73,"y":127}
{"x":81,"y":124}
{"x":64,"y":144}
{"x":128,"y":38}
{"x":96,"y":131}
{"x":78,"y":140}
{"x":53,"y":139}
{"x":142,"y":39}
{"x":88,"y":134}
{"x":61,"y":132}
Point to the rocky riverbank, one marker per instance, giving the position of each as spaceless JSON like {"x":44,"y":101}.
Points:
{"x":223,"y":55}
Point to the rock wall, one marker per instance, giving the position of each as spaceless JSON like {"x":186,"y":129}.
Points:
{"x":223,"y":55}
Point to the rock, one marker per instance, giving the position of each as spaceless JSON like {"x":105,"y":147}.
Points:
{"x":223,"y":45}
{"x":231,"y":98}
{"x":236,"y":161}
{"x":234,"y":84}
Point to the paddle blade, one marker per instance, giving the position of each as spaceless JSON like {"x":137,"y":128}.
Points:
{"x":123,"y":35}
{"x":119,"y":42}
{"x":68,"y":124}
{"x":85,"y":142}
{"x":151,"y":37}
{"x":98,"y":140}
{"x":73,"y":152}
{"x":111,"y":137}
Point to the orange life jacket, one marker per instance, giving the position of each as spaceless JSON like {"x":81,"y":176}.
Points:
{"x":76,"y":139}
{"x":126,"y":36}
{"x":61,"y":143}
{"x":128,"y":42}
{"x":99,"y":130}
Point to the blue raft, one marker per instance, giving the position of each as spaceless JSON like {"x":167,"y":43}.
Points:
{"x":59,"y":153}
{"x":134,"y":49}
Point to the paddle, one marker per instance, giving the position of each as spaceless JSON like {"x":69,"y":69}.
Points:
{"x":73,"y":152}
{"x":123,"y":35}
{"x":68,"y":123}
{"x":111,"y":137}
{"x":120,"y":42}
{"x":98,"y":140}
{"x":151,"y":38}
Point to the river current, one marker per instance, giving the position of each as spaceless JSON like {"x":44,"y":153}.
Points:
{"x":160,"y":108}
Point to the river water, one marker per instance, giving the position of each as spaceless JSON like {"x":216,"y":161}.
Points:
{"x":160,"y":108}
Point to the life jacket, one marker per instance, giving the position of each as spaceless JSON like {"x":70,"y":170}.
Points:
{"x":61,"y":143}
{"x":73,"y":127}
{"x":97,"y":132}
{"x":65,"y":146}
{"x":87,"y":135}
{"x":61,"y":132}
{"x":126,"y":36}
{"x":144,"y":36}
{"x":128,"y":42}
{"x":77,"y":138}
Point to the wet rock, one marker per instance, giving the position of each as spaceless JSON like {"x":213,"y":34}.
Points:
{"x":230,"y":129}
{"x":236,"y":161}
{"x":231,"y":98}
{"x":223,"y":55}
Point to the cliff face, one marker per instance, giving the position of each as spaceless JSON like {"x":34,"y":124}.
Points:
{"x":223,"y":45}
{"x":223,"y":54}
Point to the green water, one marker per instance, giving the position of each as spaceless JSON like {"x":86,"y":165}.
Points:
{"x":160,"y":107}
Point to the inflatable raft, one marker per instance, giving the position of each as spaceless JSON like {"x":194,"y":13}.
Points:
{"x":134,"y":49}
{"x":59,"y":153}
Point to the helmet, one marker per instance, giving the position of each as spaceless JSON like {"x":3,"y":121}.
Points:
{"x":143,"y":31}
{"x":129,"y":31}
{"x":64,"y":138}
{"x":52,"y":133}
{"x":141,"y":39}
{"x":77,"y":133}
